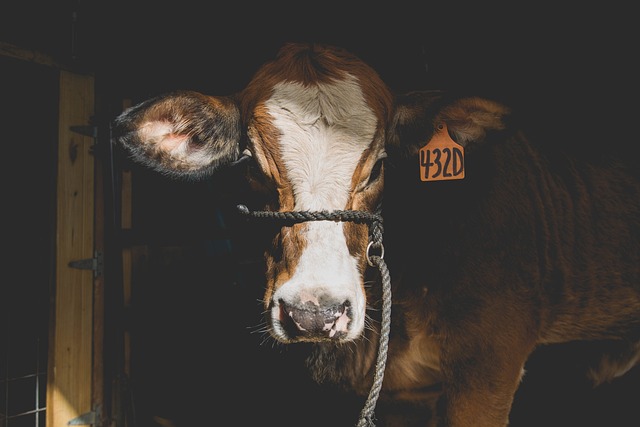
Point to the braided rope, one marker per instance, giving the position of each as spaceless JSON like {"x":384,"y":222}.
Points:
{"x":374,"y":220}
{"x":367,"y":413}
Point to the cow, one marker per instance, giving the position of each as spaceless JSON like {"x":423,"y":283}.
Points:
{"x":491,"y":245}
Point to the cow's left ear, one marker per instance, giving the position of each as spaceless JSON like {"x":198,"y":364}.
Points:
{"x":181,"y":134}
{"x":468,"y":119}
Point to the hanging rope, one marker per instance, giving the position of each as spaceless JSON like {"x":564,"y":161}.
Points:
{"x":367,"y":415}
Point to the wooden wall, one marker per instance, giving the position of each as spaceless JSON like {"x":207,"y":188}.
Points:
{"x":74,"y":375}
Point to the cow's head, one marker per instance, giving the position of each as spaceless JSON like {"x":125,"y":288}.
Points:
{"x":317,"y":124}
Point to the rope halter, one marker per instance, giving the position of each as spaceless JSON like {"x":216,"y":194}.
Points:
{"x":374,"y":220}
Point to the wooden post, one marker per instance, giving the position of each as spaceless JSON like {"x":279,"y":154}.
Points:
{"x":69,"y":387}
{"x":127,"y":256}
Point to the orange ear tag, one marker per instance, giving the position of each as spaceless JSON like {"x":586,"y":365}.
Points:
{"x":442,"y":158}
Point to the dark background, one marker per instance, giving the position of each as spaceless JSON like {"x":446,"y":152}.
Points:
{"x":198,"y":353}
{"x":571,"y":61}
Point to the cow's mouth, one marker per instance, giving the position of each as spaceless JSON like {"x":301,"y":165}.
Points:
{"x":311,"y":322}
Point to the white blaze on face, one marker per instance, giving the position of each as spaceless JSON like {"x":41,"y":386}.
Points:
{"x":324,"y":131}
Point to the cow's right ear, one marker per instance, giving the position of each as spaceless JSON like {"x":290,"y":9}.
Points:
{"x":468,"y":119}
{"x":181,"y":134}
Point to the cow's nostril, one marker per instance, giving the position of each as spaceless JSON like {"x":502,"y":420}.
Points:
{"x":310,"y":321}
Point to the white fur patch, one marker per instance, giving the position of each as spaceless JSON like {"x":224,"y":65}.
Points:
{"x":325,"y":129}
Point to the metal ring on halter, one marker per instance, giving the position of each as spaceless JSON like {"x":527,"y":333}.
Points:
{"x":367,"y":253}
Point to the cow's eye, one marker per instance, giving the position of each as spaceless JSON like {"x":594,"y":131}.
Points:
{"x":256,"y":178}
{"x":375,"y":172}
{"x":253,"y":170}
{"x":248,"y":163}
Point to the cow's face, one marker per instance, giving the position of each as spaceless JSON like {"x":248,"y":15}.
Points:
{"x":320,"y":148}
{"x":313,"y":123}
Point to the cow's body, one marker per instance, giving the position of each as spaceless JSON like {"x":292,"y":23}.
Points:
{"x":527,"y":249}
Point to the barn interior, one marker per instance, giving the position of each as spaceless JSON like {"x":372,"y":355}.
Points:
{"x":181,"y":337}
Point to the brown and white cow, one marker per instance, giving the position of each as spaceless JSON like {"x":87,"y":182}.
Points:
{"x":527,"y":249}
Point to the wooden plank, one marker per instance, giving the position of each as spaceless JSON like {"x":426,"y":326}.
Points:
{"x":10,"y":50}
{"x":70,"y":381}
{"x":98,"y":385}
{"x":127,"y":254}
{"x":127,"y":265}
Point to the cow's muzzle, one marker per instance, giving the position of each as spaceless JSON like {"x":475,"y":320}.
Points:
{"x":311,"y":322}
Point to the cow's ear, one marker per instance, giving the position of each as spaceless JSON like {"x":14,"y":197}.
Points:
{"x":468,"y":119}
{"x":182,"y":134}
